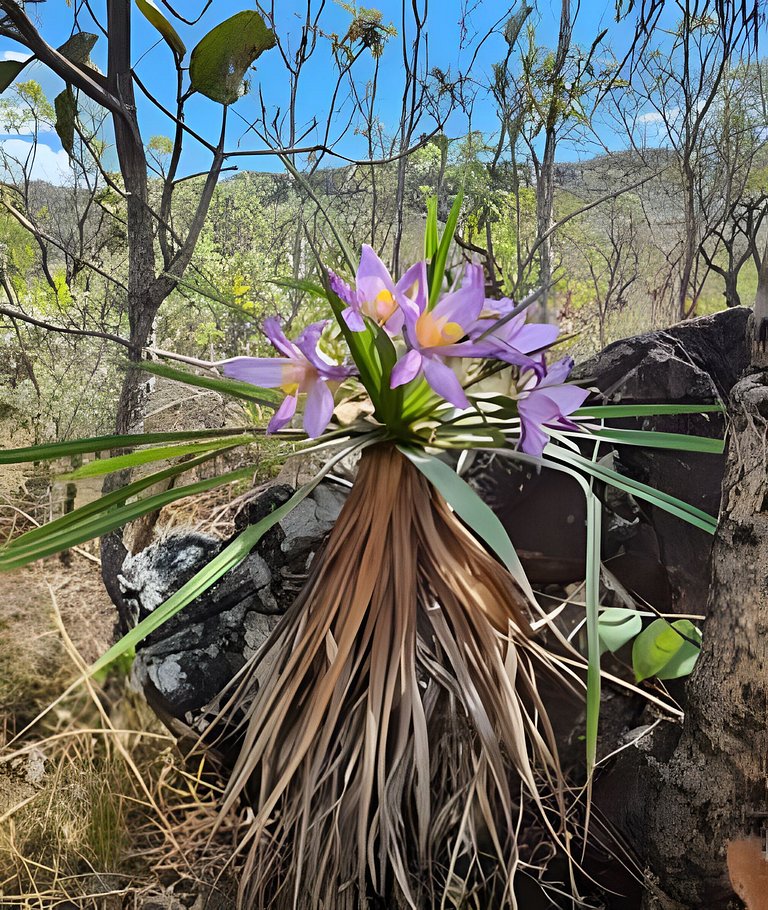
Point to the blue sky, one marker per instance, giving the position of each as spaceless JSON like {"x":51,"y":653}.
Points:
{"x":154,"y":65}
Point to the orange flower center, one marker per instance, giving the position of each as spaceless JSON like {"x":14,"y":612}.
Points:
{"x":434,"y":332}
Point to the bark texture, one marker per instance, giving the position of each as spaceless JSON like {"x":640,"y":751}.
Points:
{"x":714,"y":788}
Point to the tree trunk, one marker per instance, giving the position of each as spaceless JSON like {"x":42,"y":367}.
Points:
{"x":714,"y":789}
{"x":141,"y":303}
{"x":545,"y":190}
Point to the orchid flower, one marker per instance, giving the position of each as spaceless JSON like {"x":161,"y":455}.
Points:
{"x":300,"y":369}
{"x":546,"y":401}
{"x":432,"y":335}
{"x":376,"y":295}
{"x":514,"y":339}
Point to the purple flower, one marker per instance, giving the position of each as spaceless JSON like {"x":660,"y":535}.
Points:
{"x":432,"y":335}
{"x":300,"y":369}
{"x":377,"y":296}
{"x":514,"y":339}
{"x":546,"y":401}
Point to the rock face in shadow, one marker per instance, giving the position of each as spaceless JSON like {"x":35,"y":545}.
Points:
{"x":652,"y":552}
{"x":184,"y":664}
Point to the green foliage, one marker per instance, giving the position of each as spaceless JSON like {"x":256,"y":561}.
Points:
{"x":666,"y":650}
{"x":9,"y":70}
{"x":149,"y":9}
{"x":66,"y":115}
{"x":617,"y":626}
{"x":221,"y":59}
{"x":366,"y":27}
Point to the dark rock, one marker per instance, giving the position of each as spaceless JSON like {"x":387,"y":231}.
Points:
{"x":653,"y":553}
{"x":183,"y":665}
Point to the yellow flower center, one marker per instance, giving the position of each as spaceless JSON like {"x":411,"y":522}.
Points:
{"x":434,"y":332}
{"x":294,"y":376}
{"x":381,"y":307}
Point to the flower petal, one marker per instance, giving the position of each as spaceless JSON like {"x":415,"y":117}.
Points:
{"x":268,"y":372}
{"x":558,"y":372}
{"x":445,"y":382}
{"x":372,"y":275}
{"x":307,"y":343}
{"x":318,"y":409}
{"x":406,"y":369}
{"x":283,"y":414}
{"x":411,"y":289}
{"x":464,"y":305}
{"x":354,"y":319}
{"x":275,"y":334}
{"x":341,"y":289}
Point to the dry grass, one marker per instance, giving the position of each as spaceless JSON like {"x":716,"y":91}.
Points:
{"x":97,"y":807}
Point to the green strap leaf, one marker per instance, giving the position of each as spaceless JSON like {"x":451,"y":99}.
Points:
{"x":221,"y":59}
{"x":696,"y":517}
{"x":104,"y":503}
{"x":234,"y":387}
{"x":14,"y":557}
{"x":9,"y":70}
{"x":680,"y":442}
{"x":437,"y":265}
{"x":299,"y":284}
{"x":52,"y":451}
{"x":645,"y":410}
{"x":102,"y":466}
{"x":472,"y":510}
{"x":161,"y":23}
{"x":231,"y":556}
{"x":430,"y":233}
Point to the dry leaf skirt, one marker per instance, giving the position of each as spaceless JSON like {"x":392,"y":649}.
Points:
{"x":393,"y":727}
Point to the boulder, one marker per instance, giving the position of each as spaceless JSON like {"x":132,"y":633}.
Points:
{"x":184,"y":664}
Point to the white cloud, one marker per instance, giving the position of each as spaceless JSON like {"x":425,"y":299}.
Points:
{"x":45,"y":163}
{"x":668,"y":116}
{"x":16,"y":55}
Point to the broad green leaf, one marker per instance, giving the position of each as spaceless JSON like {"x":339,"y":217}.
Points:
{"x":158,"y":19}
{"x":101,"y":466}
{"x":616,"y":626}
{"x":684,"y":661}
{"x":266,"y":397}
{"x":54,"y":450}
{"x":645,"y":410}
{"x":77,"y":49}
{"x":66,"y":113}
{"x":430,"y":232}
{"x":222,"y":58}
{"x":9,"y":70}
{"x":657,"y":649}
{"x":101,"y":524}
{"x":299,"y":284}
{"x":231,"y":556}
{"x":437,"y":265}
{"x":472,"y":510}
{"x":680,"y":442}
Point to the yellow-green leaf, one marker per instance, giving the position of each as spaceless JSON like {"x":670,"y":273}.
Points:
{"x":158,"y":19}
{"x":9,"y":70}
{"x":220,"y":61}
